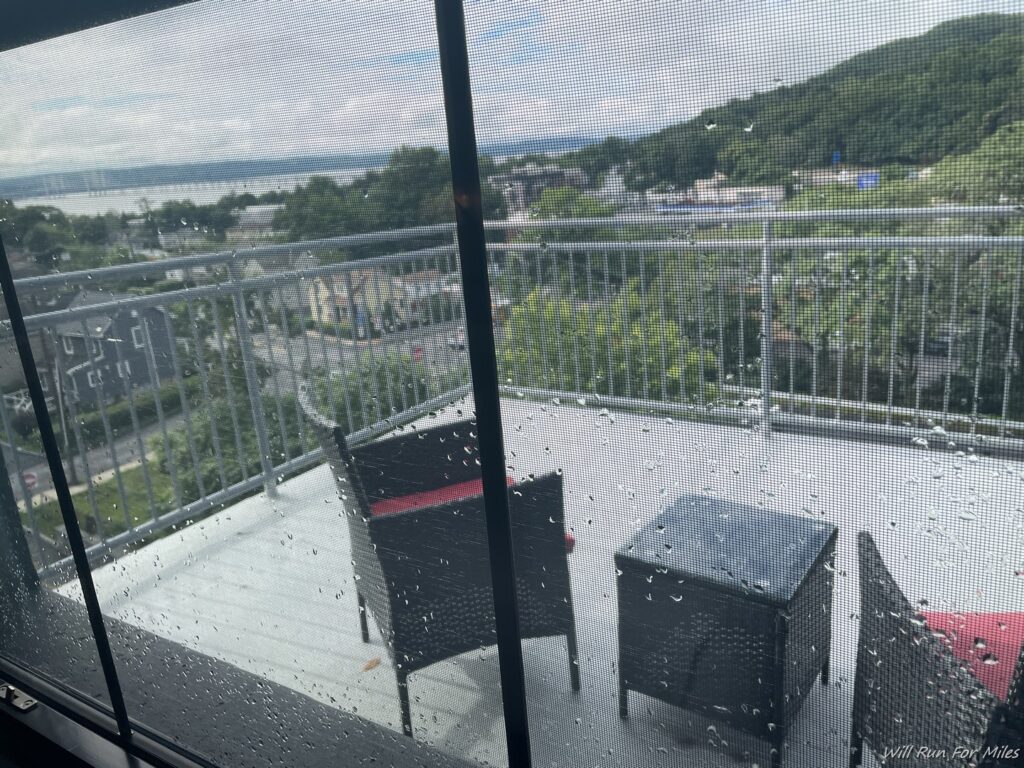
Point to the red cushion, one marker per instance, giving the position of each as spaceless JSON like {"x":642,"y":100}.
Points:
{"x":430,"y":498}
{"x":989,"y":643}
{"x":440,"y":496}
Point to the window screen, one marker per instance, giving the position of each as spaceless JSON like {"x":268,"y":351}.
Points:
{"x":754,"y":277}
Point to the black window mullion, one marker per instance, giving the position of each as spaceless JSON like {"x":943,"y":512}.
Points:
{"x":462,"y":151}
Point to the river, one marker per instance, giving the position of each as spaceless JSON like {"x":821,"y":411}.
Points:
{"x":130,"y":200}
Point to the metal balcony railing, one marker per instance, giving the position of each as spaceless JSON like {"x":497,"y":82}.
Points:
{"x":899,"y":325}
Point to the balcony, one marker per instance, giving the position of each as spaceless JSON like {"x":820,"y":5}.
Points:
{"x":869,"y":381}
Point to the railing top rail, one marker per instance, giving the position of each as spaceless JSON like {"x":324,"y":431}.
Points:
{"x":809,"y":243}
{"x":722,"y":217}
{"x":226,"y":289}
{"x":121,"y":271}
{"x":244,"y":254}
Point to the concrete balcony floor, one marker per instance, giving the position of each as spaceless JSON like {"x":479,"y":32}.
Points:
{"x":266,"y":584}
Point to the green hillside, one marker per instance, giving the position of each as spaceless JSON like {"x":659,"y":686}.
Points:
{"x":911,"y":102}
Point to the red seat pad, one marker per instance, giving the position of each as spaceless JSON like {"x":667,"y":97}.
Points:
{"x":989,"y":643}
{"x":430,"y":498}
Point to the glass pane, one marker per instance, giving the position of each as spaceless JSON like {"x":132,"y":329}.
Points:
{"x":747,"y":335}
{"x":248,"y":219}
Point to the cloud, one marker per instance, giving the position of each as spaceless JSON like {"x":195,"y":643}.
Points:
{"x":217,"y":80}
{"x":506,"y":27}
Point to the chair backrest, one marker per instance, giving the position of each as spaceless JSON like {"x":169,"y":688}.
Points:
{"x":910,"y":688}
{"x":335,"y":446}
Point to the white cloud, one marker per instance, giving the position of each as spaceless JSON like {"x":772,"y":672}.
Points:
{"x":217,"y":80}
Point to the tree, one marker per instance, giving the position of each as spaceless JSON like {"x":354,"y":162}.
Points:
{"x":624,"y":345}
{"x":43,"y":240}
{"x":993,"y":173}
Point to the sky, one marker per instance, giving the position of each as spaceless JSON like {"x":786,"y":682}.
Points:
{"x":278,"y":78}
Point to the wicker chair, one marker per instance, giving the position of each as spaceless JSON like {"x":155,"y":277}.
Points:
{"x":419,"y":547}
{"x":912,"y":693}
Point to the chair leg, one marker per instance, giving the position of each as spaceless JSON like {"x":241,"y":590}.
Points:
{"x":363,"y":626}
{"x":623,"y":699}
{"x":403,"y":702}
{"x":825,"y":670}
{"x":574,"y":658}
{"x":856,"y":748}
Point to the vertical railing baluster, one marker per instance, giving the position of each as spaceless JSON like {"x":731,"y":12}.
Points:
{"x":386,"y":346}
{"x":437,"y":326}
{"x":229,"y":391}
{"x":108,"y":433}
{"x":363,"y":358}
{"x":186,"y":410}
{"x":428,"y":328}
{"x":644,"y":329}
{"x":767,"y":349}
{"x":140,"y":446}
{"x":542,"y":303}
{"x":573,"y":310}
{"x":723,"y":367}
{"x":663,"y":326}
{"x":83,"y":448}
{"x":869,"y":311}
{"x":842,"y":334}
{"x":204,"y":382}
{"x":926,"y":280}
{"x":609,"y":303}
{"x":742,"y":331}
{"x":894,"y":331}
{"x":415,"y":316}
{"x":701,"y":373}
{"x":982,"y":321}
{"x":344,"y":363}
{"x":1010,"y":351}
{"x":816,"y":337}
{"x":592,"y":319}
{"x":793,"y":335}
{"x":286,"y":339}
{"x":627,"y":330}
{"x":324,"y":364}
{"x":951,"y":339}
{"x":275,"y":372}
{"x":252,"y":383}
{"x":306,"y":368}
{"x":561,"y":383}
{"x":455,"y":378}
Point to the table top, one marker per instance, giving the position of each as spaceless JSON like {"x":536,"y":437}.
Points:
{"x":757,"y":552}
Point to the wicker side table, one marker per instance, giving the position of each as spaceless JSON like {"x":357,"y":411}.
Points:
{"x":726,"y":609}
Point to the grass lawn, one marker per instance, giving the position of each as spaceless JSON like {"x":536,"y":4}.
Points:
{"x":109,"y":506}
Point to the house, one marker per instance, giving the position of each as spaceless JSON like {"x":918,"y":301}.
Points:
{"x":849,"y":176}
{"x":523,"y":186}
{"x":111,"y":348}
{"x":715,"y":191}
{"x":183,"y":238}
{"x":288,"y":292}
{"x":371,"y":295}
{"x":254,"y":222}
{"x":380,"y":302}
{"x":416,"y":292}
